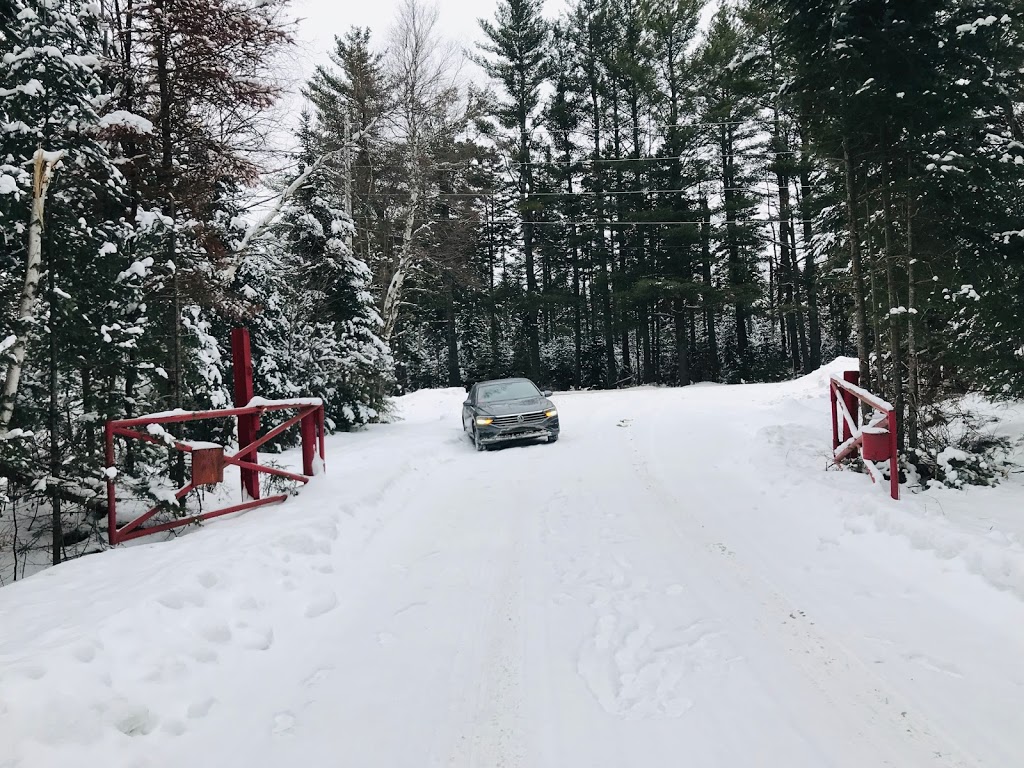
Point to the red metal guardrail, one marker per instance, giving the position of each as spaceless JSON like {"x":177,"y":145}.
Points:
{"x":209,"y":459}
{"x":875,"y":440}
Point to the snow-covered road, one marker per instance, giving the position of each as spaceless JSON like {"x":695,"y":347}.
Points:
{"x":676,"y":582}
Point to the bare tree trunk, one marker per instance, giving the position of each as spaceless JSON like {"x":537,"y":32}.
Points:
{"x":393,"y":296}
{"x":577,"y":311}
{"x":856,"y":268}
{"x":875,"y":303}
{"x":451,"y":332}
{"x":491,"y":304}
{"x":602,"y":279}
{"x":166,"y":175}
{"x":801,"y":325}
{"x":737,"y":271}
{"x":912,"y":362}
{"x":709,"y":305}
{"x":683,"y":358}
{"x":810,"y":271}
{"x":424,"y":72}
{"x":526,"y":182}
{"x":44,"y":164}
{"x":772,"y":272}
{"x":895,"y":343}
{"x":622,"y":314}
{"x":56,"y":524}
{"x":786,"y":256}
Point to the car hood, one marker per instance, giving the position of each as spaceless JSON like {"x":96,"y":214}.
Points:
{"x":509,"y":407}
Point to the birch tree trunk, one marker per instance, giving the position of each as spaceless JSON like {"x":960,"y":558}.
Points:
{"x":44,"y":163}
{"x":406,"y":258}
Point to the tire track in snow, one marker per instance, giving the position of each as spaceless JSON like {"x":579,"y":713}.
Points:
{"x":842,"y":678}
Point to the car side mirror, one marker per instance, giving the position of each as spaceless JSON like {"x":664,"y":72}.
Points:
{"x":547,"y":393}
{"x":467,"y":403}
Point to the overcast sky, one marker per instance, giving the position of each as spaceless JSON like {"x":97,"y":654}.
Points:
{"x":321,"y":20}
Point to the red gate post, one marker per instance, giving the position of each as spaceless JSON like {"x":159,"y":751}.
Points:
{"x":833,"y":392}
{"x":111,"y":473}
{"x":894,"y":457}
{"x":851,"y":402}
{"x":307,"y":428}
{"x":248,"y":424}
{"x":320,"y":430}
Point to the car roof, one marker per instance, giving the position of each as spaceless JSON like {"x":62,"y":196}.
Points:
{"x":502,"y":381}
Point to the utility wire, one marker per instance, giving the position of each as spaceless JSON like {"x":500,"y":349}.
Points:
{"x":455,"y":166}
{"x":618,"y":223}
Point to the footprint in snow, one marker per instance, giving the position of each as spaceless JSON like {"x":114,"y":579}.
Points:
{"x":254,"y":638}
{"x":85,"y":653}
{"x":284,"y":722}
{"x":321,"y":604}
{"x":177,"y":599}
{"x":204,"y":655}
{"x":208,"y":579}
{"x":200,"y":709}
{"x":32,"y":672}
{"x":247,"y":603}
{"x":174,"y":727}
{"x":637,"y":670}
{"x":133,"y":719}
{"x":216,"y":632}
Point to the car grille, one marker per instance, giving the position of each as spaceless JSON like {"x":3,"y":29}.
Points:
{"x":521,"y":419}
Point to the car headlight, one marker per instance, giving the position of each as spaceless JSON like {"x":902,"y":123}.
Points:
{"x":551,"y":412}
{"x":484,"y":421}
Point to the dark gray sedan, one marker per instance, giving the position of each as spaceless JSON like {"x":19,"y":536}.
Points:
{"x":508,"y":410}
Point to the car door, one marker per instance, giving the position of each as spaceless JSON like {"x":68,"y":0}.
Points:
{"x":468,"y":413}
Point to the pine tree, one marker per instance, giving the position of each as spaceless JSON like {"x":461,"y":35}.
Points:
{"x":82,"y":318}
{"x":319,"y":331}
{"x":727,"y":113}
{"x":518,"y":43}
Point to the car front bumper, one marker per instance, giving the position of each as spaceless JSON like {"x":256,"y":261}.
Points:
{"x":490,"y":435}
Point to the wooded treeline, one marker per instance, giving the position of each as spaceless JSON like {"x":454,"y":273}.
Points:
{"x":670,"y":193}
{"x":640,"y":199}
{"x":635,"y":192}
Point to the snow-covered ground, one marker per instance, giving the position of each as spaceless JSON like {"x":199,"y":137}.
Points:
{"x":678,"y":581}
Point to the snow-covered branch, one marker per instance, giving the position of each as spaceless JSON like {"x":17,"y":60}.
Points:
{"x":260,"y":227}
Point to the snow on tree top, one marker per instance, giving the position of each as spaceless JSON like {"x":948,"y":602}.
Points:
{"x":127,"y":120}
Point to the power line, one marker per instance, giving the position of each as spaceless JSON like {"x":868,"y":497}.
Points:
{"x":471,"y":195}
{"x":454,"y":166}
{"x":566,"y":222}
{"x":620,"y":223}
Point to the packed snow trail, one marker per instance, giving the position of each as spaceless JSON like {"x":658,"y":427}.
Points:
{"x":677,"y":581}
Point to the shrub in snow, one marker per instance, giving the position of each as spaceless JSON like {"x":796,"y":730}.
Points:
{"x":958,"y":448}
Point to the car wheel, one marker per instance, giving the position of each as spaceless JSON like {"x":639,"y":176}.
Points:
{"x":476,"y":441}
{"x":552,"y":438}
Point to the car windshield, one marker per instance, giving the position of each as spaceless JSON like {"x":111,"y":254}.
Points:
{"x":506,"y":390}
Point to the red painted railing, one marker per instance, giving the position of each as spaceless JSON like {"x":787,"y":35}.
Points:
{"x":209,"y":459}
{"x":212,"y":459}
{"x":875,"y":440}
